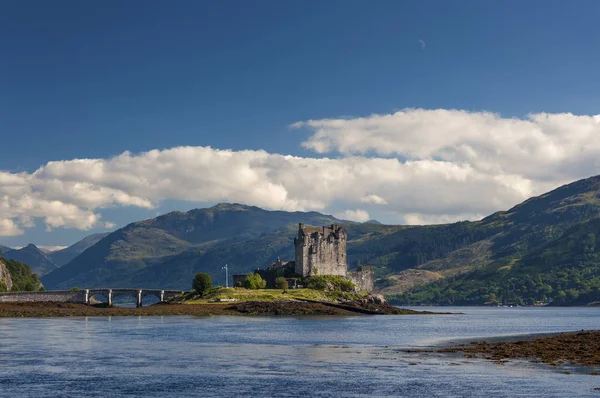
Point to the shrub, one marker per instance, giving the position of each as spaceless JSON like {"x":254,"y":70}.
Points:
{"x":281,"y":283}
{"x":254,"y":281}
{"x":202,"y":283}
{"x":330,"y":283}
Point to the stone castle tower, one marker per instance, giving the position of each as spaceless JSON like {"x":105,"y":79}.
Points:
{"x":320,"y":251}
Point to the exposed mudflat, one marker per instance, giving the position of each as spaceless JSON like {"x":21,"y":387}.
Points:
{"x":243,"y":308}
{"x":576,"y":348}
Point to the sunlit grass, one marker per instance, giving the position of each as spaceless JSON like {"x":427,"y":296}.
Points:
{"x":240,"y":294}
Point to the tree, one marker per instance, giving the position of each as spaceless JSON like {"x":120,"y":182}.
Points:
{"x":254,"y":281}
{"x":202,"y":283}
{"x":281,"y":283}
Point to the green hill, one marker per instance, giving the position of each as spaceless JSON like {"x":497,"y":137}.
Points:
{"x":535,"y":249}
{"x":562,"y":272}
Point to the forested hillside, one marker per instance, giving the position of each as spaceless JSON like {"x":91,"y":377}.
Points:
{"x":23,"y":280}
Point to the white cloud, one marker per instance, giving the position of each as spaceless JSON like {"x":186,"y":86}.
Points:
{"x":373,"y":199}
{"x":432,"y":166}
{"x":354,"y":215}
{"x":426,"y":219}
{"x":9,"y":228}
{"x":545,"y":147}
{"x":48,"y":249}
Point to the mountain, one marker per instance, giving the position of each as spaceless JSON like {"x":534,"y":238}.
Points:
{"x":439,"y":264}
{"x":31,"y":255}
{"x":545,"y":252}
{"x":122,"y":257}
{"x":4,"y":249}
{"x":62,"y":257}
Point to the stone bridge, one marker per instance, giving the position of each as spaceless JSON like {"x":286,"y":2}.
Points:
{"x":83,"y":296}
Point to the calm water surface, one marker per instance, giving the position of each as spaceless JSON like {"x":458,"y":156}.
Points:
{"x":285,"y":356}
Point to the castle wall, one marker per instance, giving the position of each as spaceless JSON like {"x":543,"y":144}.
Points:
{"x":320,"y":251}
{"x":364,"y":278}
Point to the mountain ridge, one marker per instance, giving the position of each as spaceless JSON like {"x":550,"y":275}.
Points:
{"x":139,"y":244}
{"x":167,"y":250}
{"x":34,"y":257}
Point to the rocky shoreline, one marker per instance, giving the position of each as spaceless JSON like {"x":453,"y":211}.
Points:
{"x":574,"y":348}
{"x":18,"y":310}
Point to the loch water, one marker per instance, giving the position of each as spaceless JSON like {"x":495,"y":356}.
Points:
{"x":357,"y":356}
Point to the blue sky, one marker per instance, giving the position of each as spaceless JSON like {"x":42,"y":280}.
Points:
{"x":95,"y":79}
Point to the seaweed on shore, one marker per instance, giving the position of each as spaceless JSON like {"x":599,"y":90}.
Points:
{"x":575,"y":348}
{"x":17,"y":310}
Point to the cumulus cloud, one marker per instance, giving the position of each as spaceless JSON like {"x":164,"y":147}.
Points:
{"x":426,"y":219}
{"x":546,"y":147}
{"x":9,"y":228}
{"x":373,"y":199}
{"x":51,"y":248}
{"x":413,"y":166}
{"x":354,"y":215}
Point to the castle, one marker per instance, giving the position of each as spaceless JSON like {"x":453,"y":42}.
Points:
{"x":318,"y":251}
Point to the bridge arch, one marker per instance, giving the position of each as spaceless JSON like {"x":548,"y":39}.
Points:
{"x":99,"y":296}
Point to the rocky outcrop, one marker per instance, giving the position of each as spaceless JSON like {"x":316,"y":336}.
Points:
{"x":5,"y":279}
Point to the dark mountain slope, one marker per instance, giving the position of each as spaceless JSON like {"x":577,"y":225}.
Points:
{"x":31,"y":255}
{"x":62,"y":257}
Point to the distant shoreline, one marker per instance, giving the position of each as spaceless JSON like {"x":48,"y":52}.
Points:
{"x":273,"y":308}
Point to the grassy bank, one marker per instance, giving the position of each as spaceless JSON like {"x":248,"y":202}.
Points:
{"x":269,"y":295}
